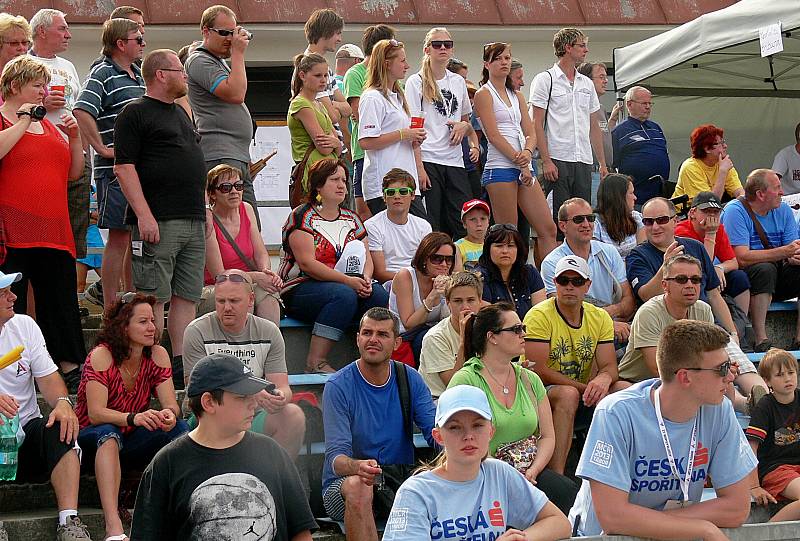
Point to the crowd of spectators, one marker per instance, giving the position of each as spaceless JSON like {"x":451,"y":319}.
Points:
{"x":627,"y":317}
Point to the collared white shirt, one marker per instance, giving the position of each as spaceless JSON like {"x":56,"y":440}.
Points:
{"x":568,"y":117}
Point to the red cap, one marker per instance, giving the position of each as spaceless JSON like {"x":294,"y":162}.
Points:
{"x":472,"y":204}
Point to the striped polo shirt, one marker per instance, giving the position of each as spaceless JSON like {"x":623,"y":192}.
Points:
{"x":108,"y":89}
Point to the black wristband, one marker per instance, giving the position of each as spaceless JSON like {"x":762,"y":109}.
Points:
{"x":130,"y":419}
{"x":20,"y":114}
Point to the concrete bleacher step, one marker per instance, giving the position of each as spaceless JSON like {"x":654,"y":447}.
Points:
{"x":40,"y":524}
{"x":23,"y":497}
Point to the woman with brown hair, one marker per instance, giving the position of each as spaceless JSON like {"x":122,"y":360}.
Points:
{"x":121,"y":373}
{"x":327,"y":267}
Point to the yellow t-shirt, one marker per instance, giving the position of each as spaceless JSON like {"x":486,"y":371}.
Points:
{"x":572,"y":349}
{"x":470,"y":252}
{"x":695,"y":177}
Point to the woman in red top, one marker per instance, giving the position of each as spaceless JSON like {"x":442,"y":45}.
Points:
{"x":228,"y":211}
{"x":120,"y":375}
{"x":35,"y":234}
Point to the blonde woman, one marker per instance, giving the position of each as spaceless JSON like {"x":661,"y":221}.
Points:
{"x":440,"y":97}
{"x":507,"y":174}
{"x":466,"y":493}
{"x":384,"y":126}
{"x":309,"y":124}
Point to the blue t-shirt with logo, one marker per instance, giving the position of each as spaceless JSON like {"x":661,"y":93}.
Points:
{"x":624,"y":450}
{"x":429,"y":507}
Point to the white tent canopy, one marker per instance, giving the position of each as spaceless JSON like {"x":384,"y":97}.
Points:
{"x":717,"y":54}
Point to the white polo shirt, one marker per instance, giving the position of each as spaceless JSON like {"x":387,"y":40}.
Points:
{"x":379,"y":114}
{"x":569,"y":113}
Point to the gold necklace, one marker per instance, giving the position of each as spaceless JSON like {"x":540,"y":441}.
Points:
{"x":503,"y":385}
{"x":131,"y":376}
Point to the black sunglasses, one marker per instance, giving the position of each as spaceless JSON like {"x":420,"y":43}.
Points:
{"x":503,"y":227}
{"x":438,"y":259}
{"x":580,"y":218}
{"x":660,"y":220}
{"x":442,"y":43}
{"x":721,"y":370}
{"x":237,"y":278}
{"x":226,"y":187}
{"x":137,"y":39}
{"x":519,"y":328}
{"x":577,"y":281}
{"x":224,"y":33}
{"x":682,"y":279}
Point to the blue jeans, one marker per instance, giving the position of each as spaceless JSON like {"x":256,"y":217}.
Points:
{"x":331,"y":306}
{"x":136,"y":448}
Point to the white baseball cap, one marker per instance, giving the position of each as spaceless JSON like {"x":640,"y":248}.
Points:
{"x":462,"y":398}
{"x":572,"y":263}
{"x":348,"y":50}
{"x":8,"y":279}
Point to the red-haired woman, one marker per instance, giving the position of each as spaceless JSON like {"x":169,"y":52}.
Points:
{"x":117,"y":424}
{"x":710,"y":169}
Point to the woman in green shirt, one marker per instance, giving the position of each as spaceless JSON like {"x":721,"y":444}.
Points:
{"x":492,"y":338}
{"x":308,"y":121}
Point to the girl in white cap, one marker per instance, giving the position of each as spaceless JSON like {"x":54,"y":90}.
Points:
{"x":467,"y":495}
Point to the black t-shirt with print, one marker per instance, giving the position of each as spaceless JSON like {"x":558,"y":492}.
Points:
{"x":249,"y":491}
{"x":776,"y":427}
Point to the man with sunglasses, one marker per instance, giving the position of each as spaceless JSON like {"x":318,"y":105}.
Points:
{"x":159,"y":164}
{"x":233,"y":329}
{"x":395,"y":233}
{"x":609,"y":287}
{"x":646,"y":262}
{"x":680,"y":300}
{"x":652,"y":447}
{"x":217,"y":90}
{"x":110,"y":85}
{"x":565,"y":337}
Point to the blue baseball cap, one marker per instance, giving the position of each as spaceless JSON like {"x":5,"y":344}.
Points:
{"x":462,"y":398}
{"x":8,"y":279}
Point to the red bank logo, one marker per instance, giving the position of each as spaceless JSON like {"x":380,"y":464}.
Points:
{"x":496,"y":515}
{"x":701,"y":457}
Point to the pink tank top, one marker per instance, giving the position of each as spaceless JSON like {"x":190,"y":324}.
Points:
{"x":230,"y":259}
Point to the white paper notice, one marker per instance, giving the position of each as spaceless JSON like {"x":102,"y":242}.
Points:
{"x":770,"y":39}
{"x":272,"y":183}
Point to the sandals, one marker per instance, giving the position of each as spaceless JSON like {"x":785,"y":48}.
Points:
{"x":322,"y":367}
{"x":118,"y":537}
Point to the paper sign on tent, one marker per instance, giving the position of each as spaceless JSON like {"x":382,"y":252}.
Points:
{"x":770,"y":39}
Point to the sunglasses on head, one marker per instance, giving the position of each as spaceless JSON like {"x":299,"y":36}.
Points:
{"x":519,"y":328}
{"x":721,"y":370}
{"x":503,"y":227}
{"x":127,"y":297}
{"x":580,"y":218}
{"x":226,"y":187}
{"x":235,"y":278}
{"x":222,"y":32}
{"x":442,"y":43}
{"x":395,"y":43}
{"x":660,"y":220}
{"x":563,"y":280}
{"x":391,"y":192}
{"x":682,"y":279}
{"x":438,"y":259}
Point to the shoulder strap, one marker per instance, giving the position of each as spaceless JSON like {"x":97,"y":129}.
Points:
{"x":405,"y":397}
{"x":616,"y":286}
{"x":759,"y":228}
{"x":247,"y":261}
{"x":547,"y":108}
{"x":529,"y":388}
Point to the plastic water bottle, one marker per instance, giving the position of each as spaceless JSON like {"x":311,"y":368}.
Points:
{"x":9,"y":447}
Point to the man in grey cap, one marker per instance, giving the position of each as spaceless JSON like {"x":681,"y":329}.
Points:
{"x":220,"y":460}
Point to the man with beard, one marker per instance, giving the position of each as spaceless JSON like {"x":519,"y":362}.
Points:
{"x":160,"y":166}
{"x":368,"y":428}
{"x":216,"y":93}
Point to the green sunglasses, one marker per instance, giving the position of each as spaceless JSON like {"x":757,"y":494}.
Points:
{"x":391,"y":192}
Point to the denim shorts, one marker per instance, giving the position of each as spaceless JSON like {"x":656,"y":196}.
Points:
{"x":111,"y":202}
{"x":503,"y":174}
{"x":358,"y":172}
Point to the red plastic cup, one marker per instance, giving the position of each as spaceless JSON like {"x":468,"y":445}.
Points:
{"x":58,"y":88}
{"x":417,"y":122}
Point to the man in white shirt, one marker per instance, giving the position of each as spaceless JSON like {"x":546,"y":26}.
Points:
{"x":394,"y":234}
{"x":787,"y":165}
{"x":566,"y":116}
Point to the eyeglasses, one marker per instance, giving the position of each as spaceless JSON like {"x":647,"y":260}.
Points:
{"x":226,"y":187}
{"x":660,"y":220}
{"x":24,"y":43}
{"x":181,"y":70}
{"x":645,"y":103}
{"x":580,"y":218}
{"x":721,"y":370}
{"x":519,"y":328}
{"x":442,"y":43}
{"x":235,"y":278}
{"x":576,"y":281}
{"x":222,"y":32}
{"x":391,"y":192}
{"x":720,"y":143}
{"x":137,"y":39}
{"x":127,"y":297}
{"x":438,"y":259}
{"x":682,"y":279}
